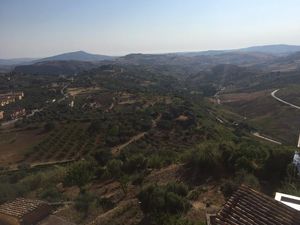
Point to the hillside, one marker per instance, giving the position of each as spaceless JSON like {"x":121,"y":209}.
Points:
{"x":56,"y":67}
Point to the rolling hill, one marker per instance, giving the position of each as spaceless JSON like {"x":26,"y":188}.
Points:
{"x":56,"y":67}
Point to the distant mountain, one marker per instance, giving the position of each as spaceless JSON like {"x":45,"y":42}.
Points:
{"x":67,"y":64}
{"x":77,"y":56}
{"x":279,"y":50}
{"x":18,"y":61}
{"x":189,"y":59}
{"x":273,"y":49}
{"x":62,"y":67}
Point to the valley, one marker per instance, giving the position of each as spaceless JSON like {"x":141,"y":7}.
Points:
{"x":149,"y":139}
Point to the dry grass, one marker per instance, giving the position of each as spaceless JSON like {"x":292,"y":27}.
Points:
{"x":81,"y":91}
{"x":14,"y":144}
{"x":236,"y":97}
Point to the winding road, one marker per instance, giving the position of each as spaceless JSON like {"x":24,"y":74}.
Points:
{"x":256,"y":134}
{"x":282,"y":101}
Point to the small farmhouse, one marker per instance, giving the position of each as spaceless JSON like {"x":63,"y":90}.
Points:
{"x":23,"y":212}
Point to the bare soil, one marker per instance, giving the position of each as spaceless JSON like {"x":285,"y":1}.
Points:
{"x":14,"y":144}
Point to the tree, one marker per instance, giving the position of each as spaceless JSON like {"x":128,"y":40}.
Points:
{"x":102,"y":156}
{"x":114,"y":168}
{"x":136,"y":162}
{"x":163,"y":199}
{"x":124,"y":183}
{"x":80,"y":173}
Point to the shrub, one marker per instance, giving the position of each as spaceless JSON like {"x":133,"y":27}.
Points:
{"x":162,"y":199}
{"x":155,"y":162}
{"x":79,"y":173}
{"x":194,"y":194}
{"x":205,"y":159}
{"x":178,"y":188}
{"x":102,"y":156}
{"x":114,"y":167}
{"x":136,"y":162}
{"x":229,"y":187}
{"x":51,"y":194}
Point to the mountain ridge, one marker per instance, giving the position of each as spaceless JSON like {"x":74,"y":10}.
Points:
{"x":76,"y":56}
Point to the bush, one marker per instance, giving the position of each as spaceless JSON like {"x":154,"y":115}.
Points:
{"x":194,"y":194}
{"x":114,"y":168}
{"x":155,"y":162}
{"x":79,"y":173}
{"x":175,"y":203}
{"x":205,"y":159}
{"x":228,"y":188}
{"x":51,"y":194}
{"x":136,"y":162}
{"x":163,"y":199}
{"x":178,"y":188}
{"x":102,"y":156}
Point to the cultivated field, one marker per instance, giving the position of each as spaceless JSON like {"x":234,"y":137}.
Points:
{"x":14,"y":144}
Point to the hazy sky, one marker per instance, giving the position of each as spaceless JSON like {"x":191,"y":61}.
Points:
{"x":37,"y":28}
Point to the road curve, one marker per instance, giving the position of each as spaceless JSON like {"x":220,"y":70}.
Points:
{"x":282,"y":101}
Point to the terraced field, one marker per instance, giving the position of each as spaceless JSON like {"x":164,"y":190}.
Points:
{"x":66,"y":143}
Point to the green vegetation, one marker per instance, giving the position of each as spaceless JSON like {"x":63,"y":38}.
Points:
{"x":143,"y":134}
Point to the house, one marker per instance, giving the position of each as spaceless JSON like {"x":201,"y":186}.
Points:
{"x":18,"y":113}
{"x":247,"y":206}
{"x":1,"y":115}
{"x":11,"y":97}
{"x":23,"y":212}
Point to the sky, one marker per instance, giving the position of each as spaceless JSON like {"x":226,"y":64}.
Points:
{"x":39,"y":28}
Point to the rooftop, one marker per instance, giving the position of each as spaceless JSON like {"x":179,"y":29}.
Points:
{"x":20,"y":207}
{"x":247,"y":206}
{"x":289,"y":200}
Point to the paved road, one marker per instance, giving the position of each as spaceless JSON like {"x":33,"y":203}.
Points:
{"x":256,"y":134}
{"x":282,"y":101}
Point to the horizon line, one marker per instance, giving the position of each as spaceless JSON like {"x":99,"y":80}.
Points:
{"x":148,"y":53}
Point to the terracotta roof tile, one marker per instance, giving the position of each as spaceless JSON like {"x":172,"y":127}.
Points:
{"x":20,"y":207}
{"x":249,"y":207}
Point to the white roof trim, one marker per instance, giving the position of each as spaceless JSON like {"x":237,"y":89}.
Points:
{"x":279,"y":196}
